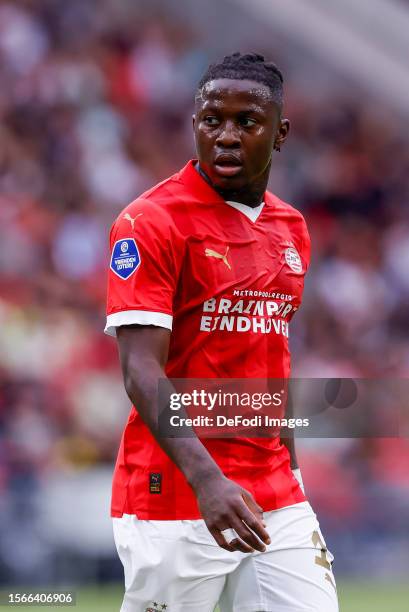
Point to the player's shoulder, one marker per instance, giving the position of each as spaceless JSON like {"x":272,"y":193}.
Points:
{"x":288,"y":210}
{"x":288,"y":213}
{"x":157,"y":204}
{"x":293,"y":221}
{"x":153,"y":209}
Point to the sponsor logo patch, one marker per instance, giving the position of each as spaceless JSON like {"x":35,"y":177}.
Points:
{"x":155,"y":482}
{"x":125,"y":259}
{"x":293,"y":260}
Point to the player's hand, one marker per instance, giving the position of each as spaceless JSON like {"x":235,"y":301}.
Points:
{"x":226,"y":505}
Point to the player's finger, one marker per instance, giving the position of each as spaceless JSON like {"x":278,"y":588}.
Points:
{"x":254,"y":506}
{"x":251,"y":503}
{"x":247,"y":535}
{"x":241,"y":546}
{"x":221,"y":540}
{"x":234,"y":541}
{"x":254,"y":524}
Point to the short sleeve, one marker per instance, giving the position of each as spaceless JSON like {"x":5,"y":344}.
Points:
{"x":146,"y":252}
{"x":305,"y":244}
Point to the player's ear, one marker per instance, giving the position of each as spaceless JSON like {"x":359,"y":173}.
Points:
{"x":282,"y":133}
{"x":193,"y":120}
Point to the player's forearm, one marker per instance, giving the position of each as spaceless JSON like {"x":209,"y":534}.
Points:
{"x":289,"y":443}
{"x":288,"y":435}
{"x":188,"y":453}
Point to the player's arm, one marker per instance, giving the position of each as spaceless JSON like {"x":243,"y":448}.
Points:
{"x":288,"y":439}
{"x":223,"y":504}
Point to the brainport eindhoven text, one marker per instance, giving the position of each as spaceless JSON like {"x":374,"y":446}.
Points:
{"x":258,"y":420}
{"x":258,"y":316}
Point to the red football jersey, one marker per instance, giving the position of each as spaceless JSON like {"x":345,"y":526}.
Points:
{"x":226,"y":279}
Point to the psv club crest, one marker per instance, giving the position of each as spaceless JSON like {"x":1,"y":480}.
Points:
{"x":293,"y":260}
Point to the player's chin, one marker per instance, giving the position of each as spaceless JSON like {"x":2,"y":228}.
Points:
{"x":236,"y":181}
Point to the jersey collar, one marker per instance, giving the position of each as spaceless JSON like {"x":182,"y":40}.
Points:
{"x":251,"y":213}
{"x":202,"y":190}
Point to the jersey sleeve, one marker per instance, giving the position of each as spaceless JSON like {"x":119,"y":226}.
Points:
{"x":146,"y":252}
{"x":306,"y":244}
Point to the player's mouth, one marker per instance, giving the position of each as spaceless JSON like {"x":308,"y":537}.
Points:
{"x":227,"y":164}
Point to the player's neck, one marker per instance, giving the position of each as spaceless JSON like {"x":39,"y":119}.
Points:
{"x":250,"y":195}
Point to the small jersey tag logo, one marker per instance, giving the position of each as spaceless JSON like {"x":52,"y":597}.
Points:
{"x":125,"y":258}
{"x":155,"y":482}
{"x":132,"y":220}
{"x":293,"y":260}
{"x":222,"y":256}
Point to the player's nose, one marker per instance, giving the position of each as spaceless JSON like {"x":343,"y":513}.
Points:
{"x":228,"y":136}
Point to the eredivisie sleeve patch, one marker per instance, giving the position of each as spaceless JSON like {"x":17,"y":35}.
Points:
{"x":125,"y":258}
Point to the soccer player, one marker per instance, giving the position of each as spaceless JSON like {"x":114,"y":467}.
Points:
{"x":206,"y":271}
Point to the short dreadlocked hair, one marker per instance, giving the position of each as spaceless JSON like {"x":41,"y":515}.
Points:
{"x":241,"y":66}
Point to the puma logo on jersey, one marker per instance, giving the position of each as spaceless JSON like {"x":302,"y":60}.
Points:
{"x":212,"y":253}
{"x":132,"y":220}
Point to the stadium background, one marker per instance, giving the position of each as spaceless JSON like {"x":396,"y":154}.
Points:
{"x":95,"y":106}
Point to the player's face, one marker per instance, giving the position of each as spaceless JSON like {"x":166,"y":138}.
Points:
{"x":237,"y":126}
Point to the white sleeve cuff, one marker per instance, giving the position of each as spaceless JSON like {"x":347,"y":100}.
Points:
{"x":297,"y":475}
{"x":136,"y":317}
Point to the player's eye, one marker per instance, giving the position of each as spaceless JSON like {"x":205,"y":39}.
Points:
{"x":211,"y":120}
{"x":247,"y":122}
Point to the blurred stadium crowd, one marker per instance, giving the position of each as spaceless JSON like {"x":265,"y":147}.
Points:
{"x":95,"y":107}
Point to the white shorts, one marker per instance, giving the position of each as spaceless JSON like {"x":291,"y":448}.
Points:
{"x":176,"y":566}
